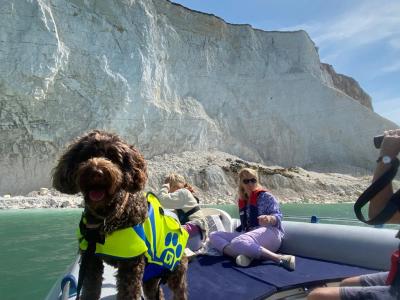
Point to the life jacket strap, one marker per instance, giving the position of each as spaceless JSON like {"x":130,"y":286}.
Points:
{"x":92,"y":236}
{"x":184,"y":216}
{"x":85,"y":257}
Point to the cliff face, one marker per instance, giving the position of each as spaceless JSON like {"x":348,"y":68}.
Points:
{"x":347,"y":85}
{"x":168,"y":80}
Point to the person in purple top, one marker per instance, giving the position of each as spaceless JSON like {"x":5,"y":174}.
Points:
{"x":260,"y":234}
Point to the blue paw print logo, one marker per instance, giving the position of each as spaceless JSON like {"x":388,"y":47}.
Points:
{"x":173,"y":250}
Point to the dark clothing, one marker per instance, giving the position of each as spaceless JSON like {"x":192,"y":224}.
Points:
{"x":264,"y":204}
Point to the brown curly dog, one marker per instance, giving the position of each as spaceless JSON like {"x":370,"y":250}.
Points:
{"x":111,"y":175}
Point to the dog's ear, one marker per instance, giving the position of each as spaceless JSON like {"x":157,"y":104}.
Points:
{"x":64,"y":173}
{"x":134,"y":168}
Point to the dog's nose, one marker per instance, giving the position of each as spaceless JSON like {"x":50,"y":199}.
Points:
{"x":97,"y":174}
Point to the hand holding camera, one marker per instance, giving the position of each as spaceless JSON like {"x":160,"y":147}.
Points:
{"x":389,"y":143}
{"x":384,"y":204}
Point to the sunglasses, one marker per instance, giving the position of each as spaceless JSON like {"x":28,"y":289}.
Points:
{"x":247,"y":181}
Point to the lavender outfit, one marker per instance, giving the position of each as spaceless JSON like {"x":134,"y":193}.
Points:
{"x":250,"y":243}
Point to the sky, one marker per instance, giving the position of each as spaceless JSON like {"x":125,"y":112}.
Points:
{"x":359,"y":38}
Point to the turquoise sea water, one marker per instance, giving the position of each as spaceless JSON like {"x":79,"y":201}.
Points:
{"x":38,"y":245}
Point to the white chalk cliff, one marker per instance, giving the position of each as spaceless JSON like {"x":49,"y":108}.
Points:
{"x":168,"y":79}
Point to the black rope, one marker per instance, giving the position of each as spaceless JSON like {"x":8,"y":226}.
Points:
{"x":391,"y":207}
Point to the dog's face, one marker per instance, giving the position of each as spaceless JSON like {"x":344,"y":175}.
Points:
{"x":99,"y":164}
{"x":98,"y":179}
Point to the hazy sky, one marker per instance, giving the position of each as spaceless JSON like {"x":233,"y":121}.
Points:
{"x":360,"y":38}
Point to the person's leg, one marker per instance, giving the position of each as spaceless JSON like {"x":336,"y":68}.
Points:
{"x":267,"y":237}
{"x":270,"y":240}
{"x":199,"y":222}
{"x":234,"y":244}
{"x":191,"y":228}
{"x":333,"y":293}
{"x":374,"y":279}
{"x":246,"y":244}
{"x":325,"y":293}
{"x":220,"y":240}
{"x":249,"y":244}
{"x":352,"y":281}
{"x":243,"y":248}
{"x":370,"y":286}
{"x":194,"y":242}
{"x":266,"y":254}
{"x":366,"y":292}
{"x":243,"y":244}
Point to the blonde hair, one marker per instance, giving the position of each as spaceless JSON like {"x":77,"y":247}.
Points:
{"x":174,"y":179}
{"x":245,"y":172}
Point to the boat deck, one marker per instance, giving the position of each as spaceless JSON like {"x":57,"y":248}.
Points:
{"x":219,"y":278}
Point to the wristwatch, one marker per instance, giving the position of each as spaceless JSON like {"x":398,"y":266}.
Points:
{"x":385,"y":159}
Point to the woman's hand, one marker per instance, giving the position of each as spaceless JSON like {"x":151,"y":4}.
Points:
{"x":265,"y":220}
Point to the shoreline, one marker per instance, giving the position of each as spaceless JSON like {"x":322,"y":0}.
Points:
{"x":76,"y":202}
{"x":40,"y":202}
{"x":214,"y":179}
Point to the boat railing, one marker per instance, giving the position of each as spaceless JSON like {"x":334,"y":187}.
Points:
{"x":65,"y":293}
{"x":334,"y":220}
{"x":231,"y":210}
{"x":316,"y":219}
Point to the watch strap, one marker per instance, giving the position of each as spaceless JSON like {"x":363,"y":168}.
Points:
{"x":386,"y":159}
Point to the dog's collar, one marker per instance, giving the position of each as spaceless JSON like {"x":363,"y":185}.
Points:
{"x":93,"y":217}
{"x":99,"y":221}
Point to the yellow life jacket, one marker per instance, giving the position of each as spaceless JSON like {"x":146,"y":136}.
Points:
{"x":160,"y":237}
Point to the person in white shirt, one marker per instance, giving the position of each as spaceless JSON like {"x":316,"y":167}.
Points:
{"x":178,"y":195}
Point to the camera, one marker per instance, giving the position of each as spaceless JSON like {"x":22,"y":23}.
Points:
{"x":378,"y":141}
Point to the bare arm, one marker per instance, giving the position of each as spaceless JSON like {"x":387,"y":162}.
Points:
{"x":390,"y":147}
{"x":179,"y":199}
